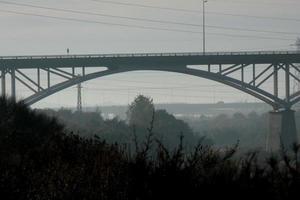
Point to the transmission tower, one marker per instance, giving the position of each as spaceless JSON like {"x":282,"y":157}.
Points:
{"x":79,"y":99}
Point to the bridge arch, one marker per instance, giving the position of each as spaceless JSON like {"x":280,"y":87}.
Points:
{"x":254,"y":70}
{"x":264,"y":96}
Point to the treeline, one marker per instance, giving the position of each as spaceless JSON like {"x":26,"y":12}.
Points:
{"x":141,"y":116}
{"x":40,"y":160}
{"x":249,"y":130}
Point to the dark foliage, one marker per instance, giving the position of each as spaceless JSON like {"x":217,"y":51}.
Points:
{"x":40,"y":161}
{"x":251,"y":130}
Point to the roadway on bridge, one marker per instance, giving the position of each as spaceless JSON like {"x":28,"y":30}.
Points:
{"x":150,"y":59}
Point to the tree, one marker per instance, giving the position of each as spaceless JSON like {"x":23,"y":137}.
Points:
{"x":168,"y":130}
{"x":140,"y":112}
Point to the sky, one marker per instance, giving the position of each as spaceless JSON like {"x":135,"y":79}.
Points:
{"x":44,"y":27}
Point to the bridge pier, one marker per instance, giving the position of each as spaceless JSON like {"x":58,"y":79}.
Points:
{"x":282,"y":130}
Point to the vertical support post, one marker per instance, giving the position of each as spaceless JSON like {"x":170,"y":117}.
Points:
{"x":253,"y":74}
{"x":220,"y":68}
{"x":209,"y":68}
{"x":242,"y":73}
{"x":39,"y":79}
{"x":287,"y":83}
{"x":276,"y":80}
{"x":3,"y":81}
{"x":79,"y":100}
{"x":48,"y":77}
{"x":13,"y":84}
{"x":83,"y":71}
{"x":73,"y":71}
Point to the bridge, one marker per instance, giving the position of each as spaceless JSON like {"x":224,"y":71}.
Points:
{"x":248,"y":72}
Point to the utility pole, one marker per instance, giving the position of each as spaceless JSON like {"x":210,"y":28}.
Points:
{"x":203,"y":23}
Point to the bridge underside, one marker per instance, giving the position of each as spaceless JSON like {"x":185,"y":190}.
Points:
{"x":266,"y":76}
{"x":252,"y":87}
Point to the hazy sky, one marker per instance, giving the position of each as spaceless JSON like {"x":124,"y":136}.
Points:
{"x":269,"y":24}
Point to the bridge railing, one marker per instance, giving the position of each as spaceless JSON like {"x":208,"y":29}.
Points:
{"x":126,"y":55}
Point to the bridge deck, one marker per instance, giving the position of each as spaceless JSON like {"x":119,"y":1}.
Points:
{"x":249,"y":53}
{"x":149,"y":59}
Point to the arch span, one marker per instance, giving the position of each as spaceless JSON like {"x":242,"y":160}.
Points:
{"x":258,"y":93}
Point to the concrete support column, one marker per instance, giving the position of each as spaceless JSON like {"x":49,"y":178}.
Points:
{"x":39,"y":79}
{"x":3,"y":82}
{"x":83,"y":71}
{"x":242,"y":73}
{"x":287,"y":83}
{"x":282,"y":130}
{"x":253,"y":74}
{"x":48,"y":78}
{"x":275,"y":81}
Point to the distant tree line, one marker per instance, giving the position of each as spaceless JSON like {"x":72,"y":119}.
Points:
{"x":249,"y":130}
{"x":141,"y":115}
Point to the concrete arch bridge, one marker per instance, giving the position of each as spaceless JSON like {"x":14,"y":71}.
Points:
{"x":256,"y":73}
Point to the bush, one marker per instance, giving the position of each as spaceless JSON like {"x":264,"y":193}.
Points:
{"x":39,"y":160}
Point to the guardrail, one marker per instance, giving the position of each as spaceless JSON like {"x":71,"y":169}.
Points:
{"x":151,"y":55}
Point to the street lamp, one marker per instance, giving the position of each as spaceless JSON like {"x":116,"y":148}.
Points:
{"x":203,"y":6}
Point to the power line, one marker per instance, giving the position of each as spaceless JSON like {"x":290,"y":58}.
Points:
{"x":159,"y":88}
{"x":146,"y":19}
{"x":157,"y":93}
{"x":226,"y":89}
{"x":286,"y":2}
{"x":146,"y":6}
{"x":97,"y":22}
{"x":194,"y":11}
{"x":256,"y":17}
{"x":186,"y":86}
{"x":156,"y":88}
{"x":139,"y":26}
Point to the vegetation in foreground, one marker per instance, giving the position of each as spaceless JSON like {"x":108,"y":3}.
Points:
{"x":40,"y":160}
